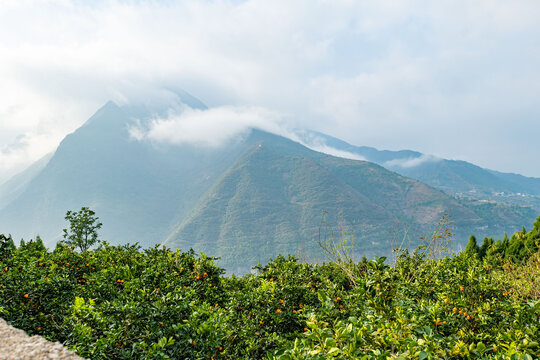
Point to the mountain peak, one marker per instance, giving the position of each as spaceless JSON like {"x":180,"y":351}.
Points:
{"x":107,"y":114}
{"x":169,"y":100}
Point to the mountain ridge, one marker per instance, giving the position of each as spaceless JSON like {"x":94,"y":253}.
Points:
{"x":244,"y":202}
{"x":455,"y":177}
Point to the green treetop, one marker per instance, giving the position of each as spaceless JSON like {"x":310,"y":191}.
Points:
{"x":83,"y":226}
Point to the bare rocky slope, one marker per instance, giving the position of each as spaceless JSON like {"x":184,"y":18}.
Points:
{"x":15,"y":344}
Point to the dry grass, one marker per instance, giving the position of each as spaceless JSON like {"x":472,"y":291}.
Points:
{"x":338,"y":246}
{"x":523,"y":280}
{"x":438,"y":245}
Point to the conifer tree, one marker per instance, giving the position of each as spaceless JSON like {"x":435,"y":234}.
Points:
{"x":7,"y":245}
{"x":472,"y":246}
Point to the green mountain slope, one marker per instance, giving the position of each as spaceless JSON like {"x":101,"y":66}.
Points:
{"x":16,"y":185}
{"x":137,"y":189}
{"x":271,"y":201}
{"x":268,"y":203}
{"x":454,"y":177}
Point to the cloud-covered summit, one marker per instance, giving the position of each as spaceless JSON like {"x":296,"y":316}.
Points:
{"x":458,"y":79}
{"x":208,"y":127}
{"x":219,"y":126}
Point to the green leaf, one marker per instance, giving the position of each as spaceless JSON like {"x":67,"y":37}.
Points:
{"x":329,"y":342}
{"x":333,"y":351}
{"x":322,"y":296}
{"x":480,"y":347}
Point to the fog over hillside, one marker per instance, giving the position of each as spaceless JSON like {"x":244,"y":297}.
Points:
{"x":458,"y":80}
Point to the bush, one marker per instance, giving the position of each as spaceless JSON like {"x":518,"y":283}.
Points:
{"x":124,"y":302}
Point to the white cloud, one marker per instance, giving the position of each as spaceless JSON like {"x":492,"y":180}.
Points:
{"x":24,"y":150}
{"x":212,"y":127}
{"x":411,"y":162}
{"x":335,"y":152}
{"x":318,"y":143}
{"x":431,"y":76}
{"x":216,"y":127}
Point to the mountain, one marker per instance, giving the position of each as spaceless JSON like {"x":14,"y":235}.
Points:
{"x":255,"y":196}
{"x":136,"y":188}
{"x":457,"y":178}
{"x":16,"y":185}
{"x":273,"y":197}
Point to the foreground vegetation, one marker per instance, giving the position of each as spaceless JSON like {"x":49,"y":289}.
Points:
{"x":123,"y":302}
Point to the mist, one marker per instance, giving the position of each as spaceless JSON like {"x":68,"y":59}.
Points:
{"x":210,"y":127}
{"x":411,"y":162}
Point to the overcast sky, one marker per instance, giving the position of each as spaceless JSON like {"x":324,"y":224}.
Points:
{"x":456,"y":79}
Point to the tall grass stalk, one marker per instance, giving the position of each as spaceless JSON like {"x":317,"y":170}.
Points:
{"x":338,"y":246}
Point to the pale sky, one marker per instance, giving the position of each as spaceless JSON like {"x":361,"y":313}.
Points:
{"x":455,"y":79}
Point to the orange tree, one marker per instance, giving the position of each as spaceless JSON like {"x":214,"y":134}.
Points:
{"x":125,"y":302}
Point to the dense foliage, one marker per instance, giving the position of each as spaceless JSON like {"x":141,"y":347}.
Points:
{"x":124,"y":302}
{"x":517,"y":248}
